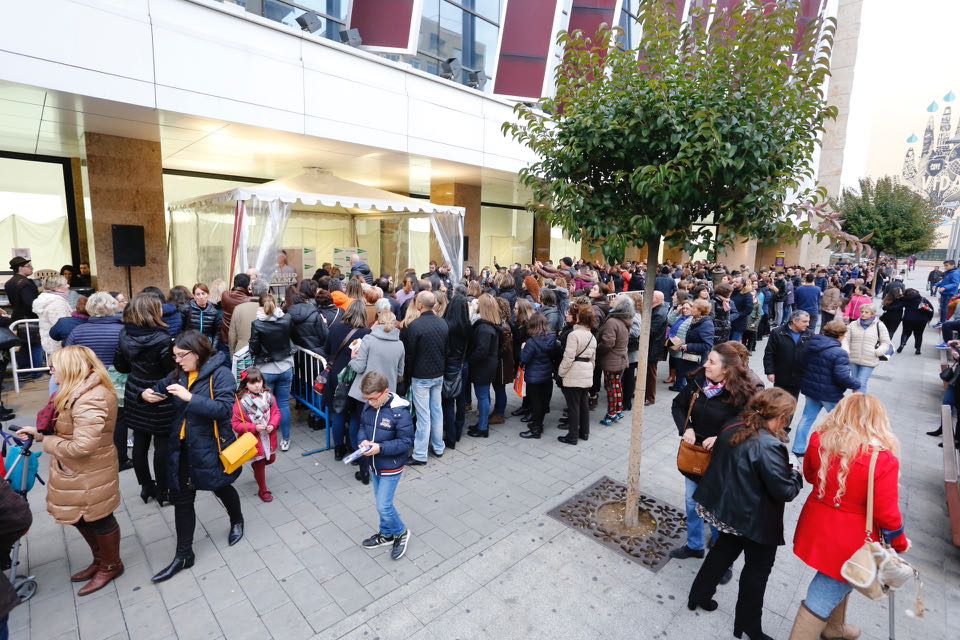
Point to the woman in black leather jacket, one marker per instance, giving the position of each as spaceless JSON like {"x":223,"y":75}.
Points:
{"x":743,"y":493}
{"x":458,"y":337}
{"x":272,"y":352}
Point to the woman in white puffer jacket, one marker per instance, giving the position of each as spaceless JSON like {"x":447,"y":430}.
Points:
{"x":51,"y":305}
{"x":868,"y":343}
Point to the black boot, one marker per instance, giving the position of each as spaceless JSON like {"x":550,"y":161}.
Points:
{"x":936,"y":433}
{"x":180,"y":562}
{"x":236,"y":532}
{"x":339,"y":451}
{"x":362,"y":477}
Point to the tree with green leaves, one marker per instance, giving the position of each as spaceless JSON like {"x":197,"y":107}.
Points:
{"x":714,"y":119}
{"x":901,"y":220}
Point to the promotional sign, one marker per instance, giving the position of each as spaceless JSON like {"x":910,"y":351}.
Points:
{"x":781,"y":258}
{"x":341,"y":257}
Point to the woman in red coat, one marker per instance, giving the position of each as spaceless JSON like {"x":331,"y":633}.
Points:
{"x":832,"y":524}
{"x":256,"y":411}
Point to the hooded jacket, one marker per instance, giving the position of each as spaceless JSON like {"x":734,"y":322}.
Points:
{"x":613,"y":338}
{"x":200,"y":414}
{"x":146,"y":353}
{"x":381,"y":352}
{"x":309,"y":327}
{"x":827,"y":375}
{"x":84,"y":477}
{"x":391,"y":427}
{"x":49,"y":308}
{"x":537,"y":357}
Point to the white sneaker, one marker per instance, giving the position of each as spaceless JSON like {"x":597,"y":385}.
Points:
{"x":284,"y":445}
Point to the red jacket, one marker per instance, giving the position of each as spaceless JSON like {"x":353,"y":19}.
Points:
{"x":242,"y":424}
{"x":828,"y":534}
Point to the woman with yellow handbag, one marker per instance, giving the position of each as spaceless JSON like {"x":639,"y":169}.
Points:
{"x":202,"y":391}
{"x":256,"y":412}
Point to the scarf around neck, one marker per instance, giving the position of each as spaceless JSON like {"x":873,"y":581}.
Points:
{"x":257,"y":406}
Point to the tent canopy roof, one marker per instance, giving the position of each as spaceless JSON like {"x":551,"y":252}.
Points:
{"x":318,"y":187}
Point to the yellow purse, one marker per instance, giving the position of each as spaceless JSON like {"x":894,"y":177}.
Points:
{"x":240,"y":451}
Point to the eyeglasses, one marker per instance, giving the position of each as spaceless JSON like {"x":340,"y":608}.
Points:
{"x":376,"y":397}
{"x":180,"y":356}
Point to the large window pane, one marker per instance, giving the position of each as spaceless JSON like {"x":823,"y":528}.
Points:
{"x":33,"y":213}
{"x":505,"y":235}
{"x":489,"y":9}
{"x":429,"y":28}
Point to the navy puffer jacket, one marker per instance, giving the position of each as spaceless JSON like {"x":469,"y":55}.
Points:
{"x":827,"y":374}
{"x":700,"y":337}
{"x":203,"y":461}
{"x":391,"y":427}
{"x":537,"y":357}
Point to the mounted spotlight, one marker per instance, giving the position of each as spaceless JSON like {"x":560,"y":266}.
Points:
{"x":310,"y":22}
{"x":451,"y":69}
{"x":351,"y":37}
{"x":477,"y":79}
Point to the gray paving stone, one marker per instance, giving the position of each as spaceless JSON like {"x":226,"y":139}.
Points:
{"x":220,"y":589}
{"x":263,"y":591}
{"x":396,"y":623}
{"x":240,"y":622}
{"x":321,"y":564}
{"x":325,"y":616}
{"x":347,"y":592}
{"x":147,"y":620}
{"x":100,"y":618}
{"x":305,"y":592}
{"x":193,"y":620}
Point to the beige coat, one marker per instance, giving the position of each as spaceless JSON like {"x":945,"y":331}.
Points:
{"x":831,"y":301}
{"x":865,"y":346}
{"x":240,"y":323}
{"x":84,"y":479}
{"x":578,"y":374}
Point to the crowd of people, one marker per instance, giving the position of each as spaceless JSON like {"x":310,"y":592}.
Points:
{"x":408,"y":361}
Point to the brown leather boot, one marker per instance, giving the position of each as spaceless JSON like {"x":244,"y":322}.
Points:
{"x":86,"y":574}
{"x":110,"y":565}
{"x":807,"y":625}
{"x":837,"y":627}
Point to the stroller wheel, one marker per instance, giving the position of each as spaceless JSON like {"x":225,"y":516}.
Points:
{"x":26,"y":587}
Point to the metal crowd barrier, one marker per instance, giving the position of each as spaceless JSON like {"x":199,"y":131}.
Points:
{"x":240,"y":362}
{"x":306,"y":366}
{"x":951,"y":472}
{"x":24,"y":329}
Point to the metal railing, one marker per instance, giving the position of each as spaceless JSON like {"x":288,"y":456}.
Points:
{"x":24,"y":329}
{"x":240,"y":362}
{"x":306,"y":366}
{"x":951,"y":472}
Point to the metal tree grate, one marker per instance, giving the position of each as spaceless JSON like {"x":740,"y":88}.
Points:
{"x":650,"y":550}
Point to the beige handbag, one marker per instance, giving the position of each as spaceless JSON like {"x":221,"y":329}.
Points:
{"x":875,"y":568}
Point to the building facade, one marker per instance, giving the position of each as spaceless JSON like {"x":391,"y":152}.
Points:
{"x":110,"y":110}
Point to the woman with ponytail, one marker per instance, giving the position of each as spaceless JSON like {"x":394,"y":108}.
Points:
{"x":272,"y":349}
{"x":743,"y":494}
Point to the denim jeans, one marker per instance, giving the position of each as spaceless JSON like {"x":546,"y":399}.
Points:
{"x":814,"y":319}
{"x":426,"y":400}
{"x":824,"y":594}
{"x":694,"y":521}
{"x":384,"y":487}
{"x":811,"y":409}
{"x":736,"y":336}
{"x":279,"y":385}
{"x":777,"y":313}
{"x":500,"y":403}
{"x":944,"y":300}
{"x":862,"y":373}
{"x":947,"y":329}
{"x":787,"y":312}
{"x":483,"y":405}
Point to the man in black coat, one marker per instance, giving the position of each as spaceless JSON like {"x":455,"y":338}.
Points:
{"x":21,"y":290}
{"x":658,"y":338}
{"x":785,"y":354}
{"x":425,"y":347}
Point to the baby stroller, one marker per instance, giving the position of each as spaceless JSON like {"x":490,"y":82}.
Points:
{"x":21,"y":472}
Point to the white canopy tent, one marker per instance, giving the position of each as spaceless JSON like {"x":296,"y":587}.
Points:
{"x":315,"y":211}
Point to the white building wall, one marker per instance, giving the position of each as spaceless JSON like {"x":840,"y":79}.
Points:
{"x":199,"y":58}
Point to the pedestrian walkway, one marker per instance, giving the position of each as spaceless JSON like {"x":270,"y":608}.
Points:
{"x":484,"y":561}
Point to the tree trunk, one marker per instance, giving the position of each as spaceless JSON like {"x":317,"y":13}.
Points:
{"x":631,"y":513}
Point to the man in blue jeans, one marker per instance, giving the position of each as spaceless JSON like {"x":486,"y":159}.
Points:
{"x":425,"y":347}
{"x":947,"y":288}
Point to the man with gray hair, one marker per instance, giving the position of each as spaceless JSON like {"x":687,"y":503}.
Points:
{"x":425,"y":347}
{"x":238,"y":336}
{"x":359,"y":269}
{"x":784,"y":358}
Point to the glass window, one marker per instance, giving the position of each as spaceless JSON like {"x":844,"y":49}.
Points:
{"x":562,"y":246}
{"x":447,"y":31}
{"x":333,"y":13}
{"x":33,"y":213}
{"x":506,"y":236}
{"x":630,"y":38}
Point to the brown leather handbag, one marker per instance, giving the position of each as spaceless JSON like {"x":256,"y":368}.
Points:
{"x":692,"y":459}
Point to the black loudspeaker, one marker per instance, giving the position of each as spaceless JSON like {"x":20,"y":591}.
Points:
{"x":128,"y":246}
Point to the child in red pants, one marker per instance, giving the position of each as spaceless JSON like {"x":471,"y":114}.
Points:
{"x":256,"y":412}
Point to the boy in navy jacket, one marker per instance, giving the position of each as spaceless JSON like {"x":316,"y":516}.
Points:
{"x":387,"y":429}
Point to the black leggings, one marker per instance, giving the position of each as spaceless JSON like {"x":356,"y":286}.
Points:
{"x":100,"y":527}
{"x":185,"y":515}
{"x":120,"y":436}
{"x":914,"y":328}
{"x":141,"y":447}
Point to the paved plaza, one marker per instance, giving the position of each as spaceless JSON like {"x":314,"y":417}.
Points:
{"x":484,"y":561}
